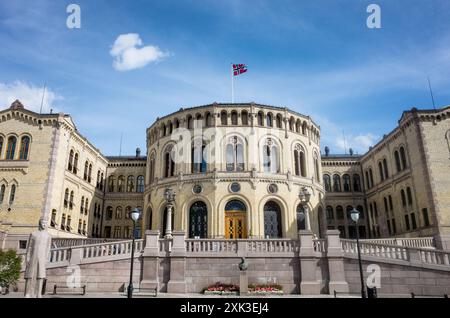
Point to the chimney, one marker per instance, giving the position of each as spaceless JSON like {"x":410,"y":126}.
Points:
{"x":138,"y":152}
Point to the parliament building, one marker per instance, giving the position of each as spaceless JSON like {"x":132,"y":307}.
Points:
{"x":237,"y":170}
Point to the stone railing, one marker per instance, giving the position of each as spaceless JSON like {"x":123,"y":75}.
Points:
{"x":413,"y":256}
{"x":320,"y":245}
{"x":418,"y":242}
{"x":69,"y":242}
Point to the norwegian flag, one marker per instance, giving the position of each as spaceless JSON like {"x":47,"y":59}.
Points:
{"x":239,"y":69}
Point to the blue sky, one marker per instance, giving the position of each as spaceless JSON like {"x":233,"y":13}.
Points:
{"x":315,"y":57}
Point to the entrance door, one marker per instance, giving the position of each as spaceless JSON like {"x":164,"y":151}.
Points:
{"x":235,"y":225}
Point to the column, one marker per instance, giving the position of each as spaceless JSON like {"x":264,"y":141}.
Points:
{"x":150,"y":261}
{"x":307,"y":220}
{"x":169,"y":221}
{"x":177,"y":282}
{"x":309,"y":262}
{"x":336,"y":269}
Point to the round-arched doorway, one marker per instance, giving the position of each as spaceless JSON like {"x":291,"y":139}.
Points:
{"x":198,"y":220}
{"x":272,"y":220}
{"x":235,"y":220}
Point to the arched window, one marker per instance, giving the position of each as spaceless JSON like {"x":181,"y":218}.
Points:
{"x":291,"y":124}
{"x":170,"y":127}
{"x":1,"y":146}
{"x":269,"y":120}
{"x":223,"y":118}
{"x":177,"y":123}
{"x":380,"y":170}
{"x":198,"y":220}
{"x":271,"y":160}
{"x":397,"y":161}
{"x":111,"y":185}
{"x":119,"y":213}
{"x":70,"y":165}
{"x":198,"y":156}
{"x":336,"y":183}
{"x":304,"y":128}
{"x":403,"y":158}
{"x":316,"y":167}
{"x":98,"y":179}
{"x":235,"y":154}
{"x":86,"y":207}
{"x":109,"y":213}
{"x":128,"y":212}
{"x":272,"y":220}
{"x":349,"y":210}
{"x":2,"y":193}
{"x":152,"y":168}
{"x":234,"y":118}
{"x":89,"y":173}
{"x":356,"y":183}
{"x":327,"y":182}
{"x":346,"y":182}
{"x":371,"y":177}
{"x":299,"y":161}
{"x":279,"y":121}
{"x":82,"y":205}
{"x":385,"y":168}
{"x":260,"y":119}
{"x":339,"y":212}
{"x":66,"y":198}
{"x":121,"y":184}
{"x":190,"y":122}
{"x":149,"y":218}
{"x":409,"y":195}
{"x":12,"y":194}
{"x":235,"y":206}
{"x":85,"y":175}
{"x":163,"y":130}
{"x":130,"y":184}
{"x":402,"y":193}
{"x":301,"y":217}
{"x":75,"y":164}
{"x":101,"y":181}
{"x":361,"y":211}
{"x":298,"y":126}
{"x":330,"y":214}
{"x":24,"y":148}
{"x":244,"y":117}
{"x":71,"y":200}
{"x":208,"y":119}
{"x":140,"y":184}
{"x":169,"y":163}
{"x":11,"y":149}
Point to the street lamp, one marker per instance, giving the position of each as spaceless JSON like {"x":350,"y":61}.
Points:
{"x":135,"y":215}
{"x":169,"y":195}
{"x":305,"y":196}
{"x":354,"y":214}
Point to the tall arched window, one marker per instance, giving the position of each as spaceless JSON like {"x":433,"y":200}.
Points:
{"x":271,"y":160}
{"x":24,"y":148}
{"x":75,"y":164}
{"x":223,"y":118}
{"x":336,"y":183}
{"x":198,"y":156}
{"x":71,"y":200}
{"x":397,"y":161}
{"x":89,"y":173}
{"x":2,"y":193}
{"x":385,"y":168}
{"x":70,"y":165}
{"x":299,"y":161}
{"x":272,"y":220}
{"x":327,"y":182}
{"x":269,"y":120}
{"x":244,"y":117}
{"x":86,"y":207}
{"x":234,"y":118}
{"x":208,"y":119}
{"x":403,"y":158}
{"x":190,"y":122}
{"x":140,"y":184}
{"x":11,"y":148}
{"x":329,"y":211}
{"x":260,"y":119}
{"x":235,"y":154}
{"x":149,"y":218}
{"x":130,"y":184}
{"x":409,"y":195}
{"x":169,"y":163}
{"x":371,"y":177}
{"x":402,"y":193}
{"x":121,"y":184}
{"x":279,"y":121}
{"x":361,"y":211}
{"x":119,"y":213}
{"x":339,"y":212}
{"x":98,"y":179}
{"x":111,"y":184}
{"x":380,"y":170}
{"x":85,"y":175}
{"x":152,"y":168}
{"x":347,"y":182}
{"x":1,"y":146}
{"x":66,"y":198}
{"x":82,"y":205}
{"x":304,"y":128}
{"x":316,"y":167}
{"x":298,"y":126}
{"x":291,"y":124}
{"x":163,"y":130}
{"x":356,"y":183}
{"x":128,"y":212}
{"x":198,"y":220}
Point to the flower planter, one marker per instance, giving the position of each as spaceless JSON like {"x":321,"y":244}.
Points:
{"x":222,"y":293}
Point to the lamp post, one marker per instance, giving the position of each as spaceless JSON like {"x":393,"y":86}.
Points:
{"x":135,"y":215}
{"x":169,"y":195}
{"x":305,"y":196}
{"x":355,"y":217}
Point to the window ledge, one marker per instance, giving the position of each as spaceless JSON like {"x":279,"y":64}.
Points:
{"x":14,"y":164}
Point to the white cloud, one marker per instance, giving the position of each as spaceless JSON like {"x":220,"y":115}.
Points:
{"x":128,"y":55}
{"x":29,"y":95}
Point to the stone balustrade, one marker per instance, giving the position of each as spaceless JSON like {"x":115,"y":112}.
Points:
{"x":69,"y":242}
{"x":418,"y":242}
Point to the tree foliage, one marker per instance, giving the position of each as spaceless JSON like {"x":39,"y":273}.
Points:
{"x":10,"y":265}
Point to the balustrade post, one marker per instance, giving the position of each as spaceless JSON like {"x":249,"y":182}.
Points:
{"x":177,"y":282}
{"x":76,"y":255}
{"x":414,"y":256}
{"x":150,"y":261}
{"x":309,"y":262}
{"x":335,"y":256}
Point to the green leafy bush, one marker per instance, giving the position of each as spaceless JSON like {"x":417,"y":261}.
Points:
{"x":10,"y":264}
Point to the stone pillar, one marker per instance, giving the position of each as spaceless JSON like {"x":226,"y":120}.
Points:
{"x":309,"y":284}
{"x":177,"y":282}
{"x":307,"y":220}
{"x":150,"y":261}
{"x":337,"y":281}
{"x":243,"y":283}
{"x":169,"y":222}
{"x":442,"y":242}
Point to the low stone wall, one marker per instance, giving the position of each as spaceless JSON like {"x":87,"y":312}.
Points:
{"x":400,"y":279}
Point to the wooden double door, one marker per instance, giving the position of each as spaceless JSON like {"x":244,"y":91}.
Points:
{"x":235,"y":225}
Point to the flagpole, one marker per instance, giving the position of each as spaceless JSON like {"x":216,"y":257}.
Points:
{"x":232,"y":84}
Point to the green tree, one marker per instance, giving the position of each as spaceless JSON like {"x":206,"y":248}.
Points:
{"x":10,"y":265}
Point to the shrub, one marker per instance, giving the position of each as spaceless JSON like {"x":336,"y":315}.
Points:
{"x":10,"y":264}
{"x":221,"y":287}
